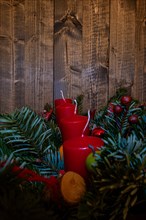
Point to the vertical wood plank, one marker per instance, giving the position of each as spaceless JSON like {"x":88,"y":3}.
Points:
{"x":122,"y":45}
{"x":6,"y":62}
{"x":31,"y":48}
{"x":139,"y":87}
{"x":18,"y":57}
{"x":39,"y":53}
{"x":144,"y":69}
{"x":95,"y":53}
{"x":68,"y":48}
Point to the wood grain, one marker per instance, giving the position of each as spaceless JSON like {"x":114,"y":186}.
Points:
{"x":68,"y":48}
{"x":139,"y":86}
{"x":88,"y":47}
{"x":39,"y":53}
{"x":95,"y":53}
{"x":122,"y":45}
{"x":6,"y":57}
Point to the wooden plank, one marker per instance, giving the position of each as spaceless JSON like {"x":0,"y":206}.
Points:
{"x":139,"y":87}
{"x":26,"y":42}
{"x":6,"y":63}
{"x":18,"y":55}
{"x":68,"y":48}
{"x":122,"y":45}
{"x":86,"y":58}
{"x":95,"y":53}
{"x":39,"y":53}
{"x":144,"y":63}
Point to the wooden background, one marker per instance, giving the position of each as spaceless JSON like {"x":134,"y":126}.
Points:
{"x":89,"y":47}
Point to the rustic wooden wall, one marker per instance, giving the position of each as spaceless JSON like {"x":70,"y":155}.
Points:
{"x":89,"y":47}
{"x":26,"y":53}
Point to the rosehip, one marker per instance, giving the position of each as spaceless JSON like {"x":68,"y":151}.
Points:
{"x":125,"y":100}
{"x":133,"y":119}
{"x":118,"y":109}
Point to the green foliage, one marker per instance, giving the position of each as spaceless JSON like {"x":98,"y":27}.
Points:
{"x":31,"y":138}
{"x":119,"y":181}
{"x":114,"y":123}
{"x":114,"y":190}
{"x":20,"y":199}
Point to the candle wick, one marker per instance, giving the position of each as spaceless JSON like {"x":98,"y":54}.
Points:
{"x":62,"y":95}
{"x":86,"y":123}
{"x":76,"y":104}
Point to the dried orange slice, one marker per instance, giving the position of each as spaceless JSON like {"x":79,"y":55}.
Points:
{"x":73,"y":187}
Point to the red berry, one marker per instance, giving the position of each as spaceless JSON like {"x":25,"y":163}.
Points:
{"x":133,"y":119}
{"x":125,"y":100}
{"x":98,"y":132}
{"x":47,"y":115}
{"x":118,"y":109}
{"x":111,"y":107}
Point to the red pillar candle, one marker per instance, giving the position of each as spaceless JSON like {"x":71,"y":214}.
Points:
{"x":64,"y":111}
{"x":74,"y":127}
{"x":58,"y":102}
{"x":75,"y":152}
{"x":62,"y":100}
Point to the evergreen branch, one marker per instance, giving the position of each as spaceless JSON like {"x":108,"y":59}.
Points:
{"x":31,"y":138}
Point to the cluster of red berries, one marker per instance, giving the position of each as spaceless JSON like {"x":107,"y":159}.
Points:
{"x":125,"y":101}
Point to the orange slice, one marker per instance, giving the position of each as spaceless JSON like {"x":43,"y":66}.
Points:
{"x":73,"y":187}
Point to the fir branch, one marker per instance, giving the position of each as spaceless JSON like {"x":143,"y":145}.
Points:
{"x":31,"y":138}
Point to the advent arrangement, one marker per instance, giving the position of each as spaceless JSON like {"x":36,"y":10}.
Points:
{"x":62,"y":164}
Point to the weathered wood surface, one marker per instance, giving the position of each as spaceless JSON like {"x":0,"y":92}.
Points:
{"x":139,"y":85}
{"x":68,"y":48}
{"x":95,"y":53}
{"x":89,"y":47}
{"x":6,"y":54}
{"x":122,"y":45}
{"x":39,"y":53}
{"x":26,"y":59}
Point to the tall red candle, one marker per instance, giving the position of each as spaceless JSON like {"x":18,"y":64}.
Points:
{"x":76,"y":151}
{"x":64,"y":111}
{"x":74,"y":127}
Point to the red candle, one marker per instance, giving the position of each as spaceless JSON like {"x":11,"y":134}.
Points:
{"x":64,"y":111}
{"x":76,"y":151}
{"x":74,"y":127}
{"x":62,"y":101}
